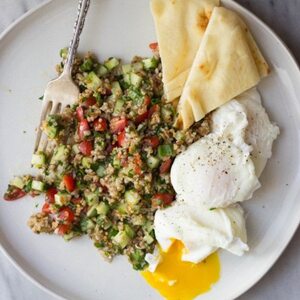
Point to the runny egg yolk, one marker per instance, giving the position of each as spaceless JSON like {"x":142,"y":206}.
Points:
{"x":179,"y":280}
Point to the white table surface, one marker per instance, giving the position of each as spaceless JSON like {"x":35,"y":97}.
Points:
{"x":283,"y":280}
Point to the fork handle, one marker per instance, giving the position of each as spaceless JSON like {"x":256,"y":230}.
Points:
{"x":83,"y":6}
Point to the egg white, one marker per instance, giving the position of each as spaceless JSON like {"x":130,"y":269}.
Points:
{"x":217,"y":170}
{"x":202,"y":231}
{"x":211,"y":176}
{"x":260,"y":132}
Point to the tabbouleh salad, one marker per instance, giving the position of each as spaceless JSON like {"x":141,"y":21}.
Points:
{"x":108,"y":171}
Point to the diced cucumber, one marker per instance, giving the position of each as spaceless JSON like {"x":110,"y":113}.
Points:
{"x":116,"y":89}
{"x":116,"y":162}
{"x":121,"y":239}
{"x":101,"y":170}
{"x":102,"y":208}
{"x":38,"y":160}
{"x":92,"y":198}
{"x":122,"y":208}
{"x":150,"y":63}
{"x":129,"y":172}
{"x":75,"y":148}
{"x":92,"y":212}
{"x":64,"y":52}
{"x":126,"y":69}
{"x":93,"y":82}
{"x":101,"y":70}
{"x":87,"y":224}
{"x":138,"y":220}
{"x":118,"y":106}
{"x":153,"y":162}
{"x":51,"y":131}
{"x":136,"y":96}
{"x":165,"y":151}
{"x":148,"y":227}
{"x":51,"y":126}
{"x":61,"y":154}
{"x":86,"y":162}
{"x":129,"y":231}
{"x":138,"y":260}
{"x":138,"y":66}
{"x":104,"y":222}
{"x":127,"y":78}
{"x":132,"y":197}
{"x":167,"y":112}
{"x":112,"y":232}
{"x":17,"y":182}
{"x":148,"y":238}
{"x":135,"y":79}
{"x":71,"y":235}
{"x":38,"y":185}
{"x":133,"y":94}
{"x":111,"y":63}
{"x":179,"y":136}
{"x":27,"y":187}
{"x":87,"y":65}
{"x":62,"y":199}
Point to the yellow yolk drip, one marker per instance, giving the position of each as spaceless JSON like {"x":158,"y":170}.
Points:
{"x":179,"y":280}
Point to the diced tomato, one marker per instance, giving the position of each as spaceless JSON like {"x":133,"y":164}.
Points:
{"x":50,"y":194}
{"x":121,"y":138}
{"x":162,"y":199}
{"x":137,"y":163}
{"x":14,"y":193}
{"x":46,"y":208}
{"x":89,"y":102}
{"x":63,"y":229}
{"x":69,"y":182}
{"x":152,"y":110}
{"x":153,"y":46}
{"x":100,"y":124}
{"x":86,"y":147}
{"x":83,"y":129}
{"x":138,"y":170}
{"x":118,"y":124}
{"x":141,"y":118}
{"x":147,"y":101}
{"x":66,"y":215}
{"x":80,"y":113}
{"x":165,"y":166}
{"x":152,"y":141}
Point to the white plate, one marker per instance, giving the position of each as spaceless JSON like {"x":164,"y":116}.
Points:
{"x":123,"y":28}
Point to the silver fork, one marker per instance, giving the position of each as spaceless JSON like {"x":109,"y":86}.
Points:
{"x":62,"y":92}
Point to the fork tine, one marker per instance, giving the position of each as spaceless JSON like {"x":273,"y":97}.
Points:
{"x":50,"y":145}
{"x":45,"y":111}
{"x":44,"y":139}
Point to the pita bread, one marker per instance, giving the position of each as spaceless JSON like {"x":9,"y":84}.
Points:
{"x":180,"y":25}
{"x":227,"y":64}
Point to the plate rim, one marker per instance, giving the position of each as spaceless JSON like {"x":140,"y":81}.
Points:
{"x":6,"y":254}
{"x":294,"y":227}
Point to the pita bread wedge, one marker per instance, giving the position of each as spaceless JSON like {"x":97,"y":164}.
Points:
{"x":180,"y":25}
{"x":227,"y":64}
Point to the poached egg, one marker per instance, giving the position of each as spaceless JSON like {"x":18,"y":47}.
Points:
{"x":210,"y":177}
